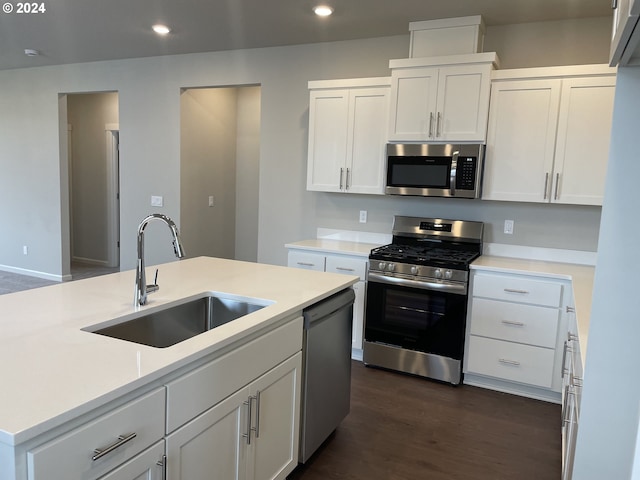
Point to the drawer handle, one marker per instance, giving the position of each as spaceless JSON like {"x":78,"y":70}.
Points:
{"x":162,"y":463}
{"x":249,"y":404}
{"x":575,"y":381}
{"x":512,"y":323}
{"x":345,"y":269}
{"x":514,"y":290}
{"x":306,"y":264}
{"x":509,"y":362}
{"x":122,"y":439}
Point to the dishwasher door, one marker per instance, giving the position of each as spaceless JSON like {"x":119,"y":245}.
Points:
{"x":326,"y":369}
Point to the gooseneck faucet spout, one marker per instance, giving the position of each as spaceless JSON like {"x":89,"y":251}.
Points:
{"x":142,"y":289}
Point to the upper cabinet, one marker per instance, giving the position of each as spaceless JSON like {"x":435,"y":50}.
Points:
{"x":548,"y":135}
{"x":441,"y":99}
{"x":347,"y":135}
{"x":625,"y":37}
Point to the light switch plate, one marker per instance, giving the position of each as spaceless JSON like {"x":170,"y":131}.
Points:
{"x":508,"y":227}
{"x":363,"y":216}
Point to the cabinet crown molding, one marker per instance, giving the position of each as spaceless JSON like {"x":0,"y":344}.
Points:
{"x":466,"y":58}
{"x":553,"y":72}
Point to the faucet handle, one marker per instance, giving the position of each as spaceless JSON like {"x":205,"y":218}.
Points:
{"x":154,"y":287}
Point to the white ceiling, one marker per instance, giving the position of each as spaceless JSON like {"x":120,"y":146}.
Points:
{"x":72,"y":31}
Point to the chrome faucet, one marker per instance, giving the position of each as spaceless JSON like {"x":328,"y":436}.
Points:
{"x":142,"y":289}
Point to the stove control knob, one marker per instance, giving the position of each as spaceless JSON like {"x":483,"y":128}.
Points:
{"x":437,"y":273}
{"x":382,"y":266}
{"x":448,"y":274}
{"x":415,"y":270}
{"x":391,"y":267}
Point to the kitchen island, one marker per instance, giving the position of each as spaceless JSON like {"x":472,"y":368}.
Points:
{"x":58,"y":377}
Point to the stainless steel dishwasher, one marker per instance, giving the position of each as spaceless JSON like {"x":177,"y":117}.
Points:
{"x":326,"y":389}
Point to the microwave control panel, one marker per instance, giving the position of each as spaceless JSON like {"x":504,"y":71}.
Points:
{"x":466,"y":175}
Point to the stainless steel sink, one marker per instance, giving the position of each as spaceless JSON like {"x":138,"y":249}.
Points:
{"x":174,"y":324}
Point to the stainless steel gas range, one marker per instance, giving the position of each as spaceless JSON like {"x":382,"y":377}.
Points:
{"x":417,"y":297}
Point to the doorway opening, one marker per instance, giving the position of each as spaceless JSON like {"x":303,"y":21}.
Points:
{"x":94,"y":186}
{"x":219,"y":171}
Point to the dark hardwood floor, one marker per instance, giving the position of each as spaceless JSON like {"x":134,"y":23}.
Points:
{"x":403,"y":427}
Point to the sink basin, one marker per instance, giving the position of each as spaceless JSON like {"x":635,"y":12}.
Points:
{"x":172,"y":325}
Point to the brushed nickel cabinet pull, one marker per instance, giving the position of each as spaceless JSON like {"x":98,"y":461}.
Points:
{"x":438,"y":125}
{"x":555,"y":194}
{"x":345,"y":269}
{"x":546,"y":184}
{"x":306,"y":264}
{"x":509,"y":362}
{"x":257,"y":428}
{"x":430,"y":124}
{"x":515,"y":290}
{"x":341,"y":173}
{"x":247,"y":433}
{"x":346,"y":183}
{"x":163,"y":464}
{"x":511,"y":322}
{"x":122,"y":439}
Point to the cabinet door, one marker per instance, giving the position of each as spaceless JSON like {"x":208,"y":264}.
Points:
{"x":521,"y":140}
{"x":463,"y":103}
{"x":413,"y":104}
{"x":367,"y":137}
{"x":328,"y":113}
{"x":584,"y":131}
{"x":274,"y":448}
{"x":146,"y":466}
{"x":211,"y":445}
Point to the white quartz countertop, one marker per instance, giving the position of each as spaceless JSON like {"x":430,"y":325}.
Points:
{"x":52,"y":370}
{"x":342,"y":247}
{"x":581,"y":277}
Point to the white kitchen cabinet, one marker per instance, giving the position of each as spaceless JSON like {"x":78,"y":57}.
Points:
{"x":102,"y":444}
{"x":572,"y":372}
{"x":344,"y":264}
{"x":548,"y":135}
{"x":347,"y":135}
{"x":149,"y":465}
{"x":513,"y":342}
{"x":625,"y":37}
{"x":440,"y":99}
{"x":252,"y":434}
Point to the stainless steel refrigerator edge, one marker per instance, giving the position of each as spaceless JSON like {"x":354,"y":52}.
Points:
{"x":326,"y":389}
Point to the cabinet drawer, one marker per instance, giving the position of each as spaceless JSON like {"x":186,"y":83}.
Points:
{"x":204,"y":387}
{"x":306,"y":260}
{"x":517,"y":289}
{"x":70,"y":456}
{"x":348,"y":266}
{"x":511,"y":361}
{"x":515,"y":322}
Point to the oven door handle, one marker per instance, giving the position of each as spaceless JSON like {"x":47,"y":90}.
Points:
{"x":451,"y":287}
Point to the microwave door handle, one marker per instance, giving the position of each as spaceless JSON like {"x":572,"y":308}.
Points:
{"x":454,"y":172}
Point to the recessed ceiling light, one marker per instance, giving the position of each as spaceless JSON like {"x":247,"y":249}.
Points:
{"x":161,"y":29}
{"x":323,"y":10}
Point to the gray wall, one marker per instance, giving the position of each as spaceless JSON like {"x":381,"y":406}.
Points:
{"x":208,"y":123}
{"x":88,"y":114}
{"x":149,"y":90}
{"x":611,"y":395}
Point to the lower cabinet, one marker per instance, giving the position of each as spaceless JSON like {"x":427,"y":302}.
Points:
{"x":149,"y":465}
{"x":572,"y":372}
{"x":235,"y":416}
{"x":250,"y":435}
{"x":513,"y":342}
{"x":345,"y":264}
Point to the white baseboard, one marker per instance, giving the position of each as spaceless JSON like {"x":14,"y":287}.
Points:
{"x":34,"y":273}
{"x":91,"y":261}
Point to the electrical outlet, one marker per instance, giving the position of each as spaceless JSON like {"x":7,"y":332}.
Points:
{"x":508,"y":227}
{"x":363,"y":216}
{"x":156,"y":201}
{"x":25,"y":250}
{"x":211,"y":201}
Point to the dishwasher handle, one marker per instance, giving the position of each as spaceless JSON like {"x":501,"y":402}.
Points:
{"x":328,"y":306}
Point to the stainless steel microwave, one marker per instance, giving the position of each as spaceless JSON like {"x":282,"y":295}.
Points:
{"x":434,"y":170}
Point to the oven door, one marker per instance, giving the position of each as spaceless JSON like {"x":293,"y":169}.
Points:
{"x":425,"y":320}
